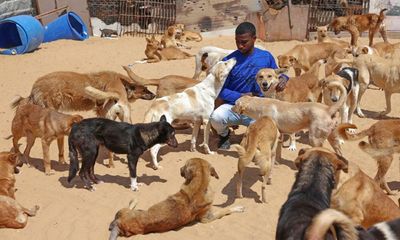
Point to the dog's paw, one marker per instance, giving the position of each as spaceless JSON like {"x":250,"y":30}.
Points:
{"x":62,"y":162}
{"x":237,"y":209}
{"x":292,"y":147}
{"x":141,"y":61}
{"x":193,"y":148}
{"x":91,"y":188}
{"x":360,"y":114}
{"x":341,"y":141}
{"x":157,"y":167}
{"x":49,"y":173}
{"x":383,"y":113}
{"x":135,"y":187}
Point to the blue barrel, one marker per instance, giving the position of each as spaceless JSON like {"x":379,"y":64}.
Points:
{"x":67,"y":26}
{"x":20,"y":34}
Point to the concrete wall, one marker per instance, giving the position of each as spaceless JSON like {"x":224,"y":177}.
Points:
{"x":392,"y":19}
{"x":10,"y":8}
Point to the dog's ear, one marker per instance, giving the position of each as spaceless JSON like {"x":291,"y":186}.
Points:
{"x":148,"y":39}
{"x":300,"y":158}
{"x":163,"y":118}
{"x":13,"y":158}
{"x":187,"y":174}
{"x":153,"y":38}
{"x":365,"y":50}
{"x":281,"y":70}
{"x":214,"y":173}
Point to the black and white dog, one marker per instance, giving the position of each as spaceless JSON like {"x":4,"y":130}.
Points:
{"x":119,"y":137}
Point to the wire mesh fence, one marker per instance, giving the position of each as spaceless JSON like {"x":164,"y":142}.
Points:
{"x":135,"y":17}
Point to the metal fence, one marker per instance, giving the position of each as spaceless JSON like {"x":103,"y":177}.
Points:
{"x":135,"y":17}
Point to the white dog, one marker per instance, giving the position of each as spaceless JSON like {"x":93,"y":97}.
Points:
{"x":207,"y":57}
{"x":195,"y":103}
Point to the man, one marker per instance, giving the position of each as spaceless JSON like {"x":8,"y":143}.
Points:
{"x":241,"y":81}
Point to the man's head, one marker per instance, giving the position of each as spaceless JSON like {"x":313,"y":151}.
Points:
{"x":245,"y":36}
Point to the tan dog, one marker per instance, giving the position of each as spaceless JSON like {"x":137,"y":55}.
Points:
{"x":318,"y":118}
{"x":156,"y":53}
{"x":385,"y":49}
{"x":192,"y":203}
{"x":363,"y":201}
{"x":32,"y":121}
{"x":303,"y":56}
{"x":108,"y":93}
{"x":258,"y":145}
{"x":383,"y":142}
{"x":322,"y":36}
{"x":169,"y":38}
{"x":332,"y":66}
{"x":356,"y":24}
{"x":12,"y":214}
{"x":188,"y":35}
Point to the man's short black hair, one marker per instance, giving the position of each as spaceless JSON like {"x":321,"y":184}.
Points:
{"x":245,"y":27}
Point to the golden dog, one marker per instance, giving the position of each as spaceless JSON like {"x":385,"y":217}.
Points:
{"x":303,"y":56}
{"x":192,"y":203}
{"x":169,"y":38}
{"x":12,"y":214}
{"x":259,"y":145}
{"x":385,"y":49}
{"x":32,"y":121}
{"x":383,"y":142}
{"x":356,"y":24}
{"x":188,"y":35}
{"x":322,"y":36}
{"x":155,"y":52}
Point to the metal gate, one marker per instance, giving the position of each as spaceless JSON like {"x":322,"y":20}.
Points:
{"x":322,"y":12}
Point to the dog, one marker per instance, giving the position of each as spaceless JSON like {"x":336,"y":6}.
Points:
{"x":195,"y":103}
{"x":108,"y":93}
{"x":258,"y":145}
{"x":188,"y":35}
{"x":348,"y":77}
{"x":119,"y":137}
{"x":155,"y":53}
{"x":383,"y":142}
{"x":310,"y":193}
{"x":356,"y":24}
{"x":108,"y":32}
{"x":361,"y":198}
{"x":385,"y":49}
{"x":207,"y":57}
{"x":33,"y":121}
{"x":332,"y":66}
{"x":385,"y":74}
{"x":303,"y":56}
{"x":322,"y":36}
{"x":12,"y":214}
{"x":192,"y":203}
{"x":169,"y":38}
{"x":318,"y":118}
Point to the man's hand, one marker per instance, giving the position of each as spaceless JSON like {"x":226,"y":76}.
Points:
{"x":283,"y":79}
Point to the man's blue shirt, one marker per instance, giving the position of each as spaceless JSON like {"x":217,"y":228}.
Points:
{"x":242,"y":78}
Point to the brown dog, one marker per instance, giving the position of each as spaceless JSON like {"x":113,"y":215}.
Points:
{"x":192,"y":203}
{"x":303,"y":56}
{"x":258,"y":145}
{"x":363,"y":201}
{"x":322,"y":36}
{"x":383,"y":142}
{"x":12,"y":214}
{"x":156,"y":53}
{"x":188,"y":35}
{"x":169,"y":38}
{"x":356,"y":24}
{"x":32,"y":121}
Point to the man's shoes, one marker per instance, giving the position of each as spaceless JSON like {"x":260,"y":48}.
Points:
{"x":224,"y":143}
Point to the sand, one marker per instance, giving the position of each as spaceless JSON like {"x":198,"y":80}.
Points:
{"x":72,"y":212}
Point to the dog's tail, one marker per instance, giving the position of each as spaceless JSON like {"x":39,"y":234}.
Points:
{"x":73,"y":160}
{"x":341,"y":130}
{"x":140,"y":80}
{"x":325,"y":219}
{"x":17,"y":101}
{"x":246,"y":156}
{"x":343,"y":97}
{"x":6,"y":138}
{"x":199,"y":39}
{"x":381,"y":15}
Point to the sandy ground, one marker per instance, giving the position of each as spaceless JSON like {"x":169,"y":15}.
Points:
{"x":71,"y":212}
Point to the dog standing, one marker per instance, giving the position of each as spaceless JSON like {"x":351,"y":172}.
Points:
{"x":12,"y":214}
{"x":383,"y":143}
{"x":258,"y":145}
{"x":195,"y":103}
{"x":118,"y":137}
{"x":192,"y":203}
{"x":33,"y":121}
{"x":207,"y":57}
{"x":310,"y":193}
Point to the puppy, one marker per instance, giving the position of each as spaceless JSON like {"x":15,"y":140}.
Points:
{"x":119,"y":137}
{"x":258,"y":145}
{"x":361,"y":198}
{"x":33,"y":121}
{"x":356,"y":24}
{"x":348,"y":77}
{"x":310,"y":193}
{"x":156,"y":53}
{"x":383,"y":142}
{"x":318,"y":118}
{"x":303,"y":56}
{"x":195,"y":103}
{"x":12,"y":214}
{"x":322,"y":36}
{"x":192,"y":203}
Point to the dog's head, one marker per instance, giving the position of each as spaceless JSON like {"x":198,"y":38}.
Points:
{"x":197,"y":167}
{"x":286,"y":61}
{"x":222,"y":69}
{"x":167,"y":132}
{"x":172,"y":31}
{"x":241,"y":105}
{"x":322,"y":31}
{"x":331,"y":92}
{"x":338,"y":24}
{"x":267,"y":77}
{"x":153,"y":43}
{"x":9,"y":161}
{"x":136,"y":91}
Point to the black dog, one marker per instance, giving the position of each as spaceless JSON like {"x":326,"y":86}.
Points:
{"x":118,"y":137}
{"x":311,"y":192}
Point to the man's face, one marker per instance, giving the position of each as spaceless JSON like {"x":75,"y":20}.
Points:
{"x":245,"y":42}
